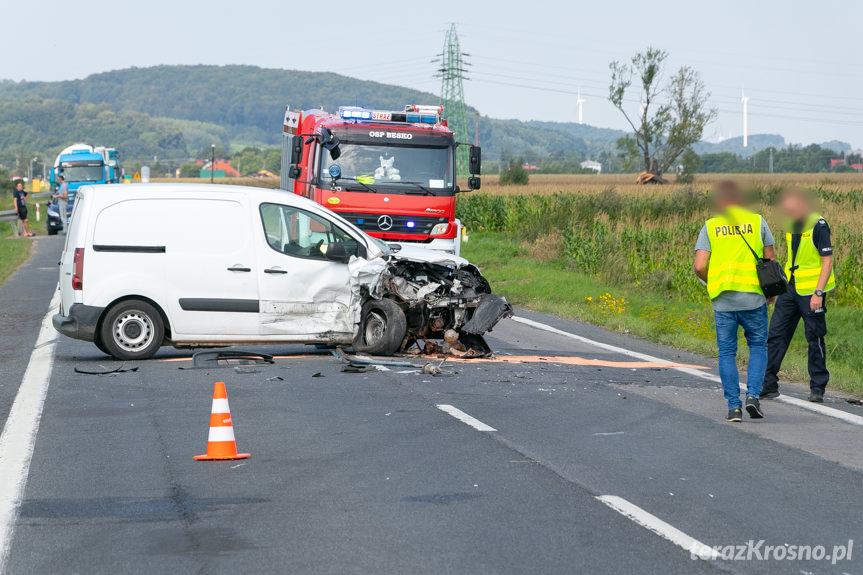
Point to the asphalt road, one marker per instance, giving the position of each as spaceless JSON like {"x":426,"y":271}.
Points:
{"x":591,"y":468}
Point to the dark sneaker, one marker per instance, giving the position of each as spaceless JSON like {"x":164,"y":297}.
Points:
{"x":769,"y":394}
{"x":734,"y":415}
{"x":753,"y":408}
{"x":816,"y":396}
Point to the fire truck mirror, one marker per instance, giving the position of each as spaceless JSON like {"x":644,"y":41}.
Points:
{"x":475,"y":163}
{"x":330,"y":143}
{"x":473,"y":183}
{"x":294,"y":172}
{"x":296,"y":150}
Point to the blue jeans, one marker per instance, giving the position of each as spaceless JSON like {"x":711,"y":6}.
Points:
{"x":754,"y":324}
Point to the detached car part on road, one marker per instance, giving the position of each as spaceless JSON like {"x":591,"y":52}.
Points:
{"x":210,"y":266}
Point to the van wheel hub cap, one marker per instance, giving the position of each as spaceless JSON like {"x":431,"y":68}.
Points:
{"x":133,"y":330}
{"x":376,"y":326}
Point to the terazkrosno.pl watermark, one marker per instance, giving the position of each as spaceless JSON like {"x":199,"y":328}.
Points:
{"x":759,"y":551}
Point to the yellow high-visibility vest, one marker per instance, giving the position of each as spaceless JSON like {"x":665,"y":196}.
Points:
{"x":807,"y":260}
{"x":732,"y":265}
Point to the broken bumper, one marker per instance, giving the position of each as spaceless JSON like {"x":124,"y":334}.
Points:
{"x":81,"y":323}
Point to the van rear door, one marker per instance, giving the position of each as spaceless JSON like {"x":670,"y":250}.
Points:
{"x":76,"y":239}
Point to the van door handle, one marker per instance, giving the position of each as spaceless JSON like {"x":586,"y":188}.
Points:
{"x":278,"y":271}
{"x":239,"y":268}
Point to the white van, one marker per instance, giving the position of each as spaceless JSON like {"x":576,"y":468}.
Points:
{"x":212,"y":265}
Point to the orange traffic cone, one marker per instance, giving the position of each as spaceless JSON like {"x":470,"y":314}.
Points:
{"x":221,"y":443}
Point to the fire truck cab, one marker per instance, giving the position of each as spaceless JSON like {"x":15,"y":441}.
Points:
{"x":392,"y":174}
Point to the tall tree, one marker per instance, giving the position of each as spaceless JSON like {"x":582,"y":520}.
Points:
{"x":671,"y":115}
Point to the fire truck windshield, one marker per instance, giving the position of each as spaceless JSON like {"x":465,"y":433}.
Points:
{"x":399,"y":166}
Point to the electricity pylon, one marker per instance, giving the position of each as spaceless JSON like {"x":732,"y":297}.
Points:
{"x":452,"y":73}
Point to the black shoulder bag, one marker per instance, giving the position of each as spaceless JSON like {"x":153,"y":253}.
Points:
{"x":771,"y":276}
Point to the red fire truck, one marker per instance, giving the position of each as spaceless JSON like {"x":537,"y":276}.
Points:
{"x":391,"y":173}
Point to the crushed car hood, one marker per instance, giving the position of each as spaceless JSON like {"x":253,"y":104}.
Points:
{"x":418,"y":254}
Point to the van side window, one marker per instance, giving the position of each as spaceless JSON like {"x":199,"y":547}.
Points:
{"x":302,"y":234}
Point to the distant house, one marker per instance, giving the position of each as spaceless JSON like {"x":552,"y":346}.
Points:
{"x":223,"y":169}
{"x":528,"y":166}
{"x":591,"y":165}
{"x":837,"y":162}
{"x":857,"y":167}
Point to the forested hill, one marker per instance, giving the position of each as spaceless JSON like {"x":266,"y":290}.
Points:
{"x":179,"y":109}
{"x":173,"y":111}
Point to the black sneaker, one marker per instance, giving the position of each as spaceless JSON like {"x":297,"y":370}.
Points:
{"x":769,"y":394}
{"x":816,"y":396}
{"x":753,"y":408}
{"x":734,"y":415}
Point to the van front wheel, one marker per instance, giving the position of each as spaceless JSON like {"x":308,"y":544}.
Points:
{"x":131,"y":330}
{"x":382,"y":328}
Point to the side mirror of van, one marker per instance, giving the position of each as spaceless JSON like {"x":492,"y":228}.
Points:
{"x":336,"y":252}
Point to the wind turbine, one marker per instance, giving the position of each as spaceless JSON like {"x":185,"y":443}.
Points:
{"x":745,"y":100}
{"x":580,"y":102}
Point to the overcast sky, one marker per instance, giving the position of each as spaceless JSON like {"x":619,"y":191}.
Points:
{"x":798,"y":60}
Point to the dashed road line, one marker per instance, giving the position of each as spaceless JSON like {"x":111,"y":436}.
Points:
{"x":658,"y":526}
{"x":465,"y":418}
{"x":807,"y":405}
{"x":22,"y":424}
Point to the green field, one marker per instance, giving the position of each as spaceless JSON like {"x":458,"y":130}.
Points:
{"x":620,"y":256}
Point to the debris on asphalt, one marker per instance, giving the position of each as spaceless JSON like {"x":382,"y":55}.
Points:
{"x":319,"y":374}
{"x":855,"y":402}
{"x":106,"y":371}
{"x":228,"y":358}
{"x":276,"y":378}
{"x":365,"y":360}
{"x":245,"y":369}
{"x":358,"y":368}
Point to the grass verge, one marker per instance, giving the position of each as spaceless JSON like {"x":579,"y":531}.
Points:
{"x":545,"y":282}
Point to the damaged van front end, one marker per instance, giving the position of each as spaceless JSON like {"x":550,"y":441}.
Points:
{"x":427,"y":302}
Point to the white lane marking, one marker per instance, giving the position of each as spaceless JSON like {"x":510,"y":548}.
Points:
{"x":19,"y":434}
{"x":465,"y":418}
{"x":814,"y":407}
{"x":822,"y":409}
{"x":658,"y":526}
{"x":608,"y":433}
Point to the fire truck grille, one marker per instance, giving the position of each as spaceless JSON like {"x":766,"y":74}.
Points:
{"x":394,"y":223}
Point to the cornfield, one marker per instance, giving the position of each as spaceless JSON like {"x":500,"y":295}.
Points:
{"x":644,"y":236}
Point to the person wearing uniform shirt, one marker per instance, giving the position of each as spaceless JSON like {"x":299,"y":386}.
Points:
{"x":727,"y":266}
{"x":809,"y":269}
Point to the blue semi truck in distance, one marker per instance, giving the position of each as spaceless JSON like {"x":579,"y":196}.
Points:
{"x":82,"y":165}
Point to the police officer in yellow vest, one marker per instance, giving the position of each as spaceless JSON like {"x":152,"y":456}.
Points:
{"x":725,"y":263}
{"x":809,"y":269}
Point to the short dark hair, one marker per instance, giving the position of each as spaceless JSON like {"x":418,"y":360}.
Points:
{"x":19,"y":182}
{"x":61,"y":178}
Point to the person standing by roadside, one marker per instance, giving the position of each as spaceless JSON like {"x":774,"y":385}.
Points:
{"x":809,"y":269}
{"x":62,"y":197}
{"x":725,"y":263}
{"x":19,"y":198}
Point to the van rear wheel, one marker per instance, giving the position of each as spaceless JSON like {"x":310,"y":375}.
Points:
{"x":382,"y":328}
{"x":132,"y":329}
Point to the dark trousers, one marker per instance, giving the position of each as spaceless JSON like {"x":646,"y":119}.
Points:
{"x":789,"y":308}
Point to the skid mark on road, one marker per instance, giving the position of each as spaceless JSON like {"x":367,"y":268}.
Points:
{"x":22,"y":424}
